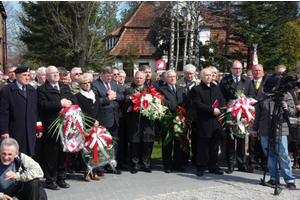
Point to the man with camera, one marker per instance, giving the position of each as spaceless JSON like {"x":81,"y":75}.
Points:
{"x":263,"y":116}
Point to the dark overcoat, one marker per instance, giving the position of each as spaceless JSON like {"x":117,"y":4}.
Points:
{"x":90,"y":109}
{"x":19,"y":115}
{"x":110,"y":108}
{"x":228,"y":87}
{"x":140,"y":128}
{"x":203,"y":97}
{"x":49,"y":104}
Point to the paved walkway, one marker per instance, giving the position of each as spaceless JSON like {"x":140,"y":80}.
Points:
{"x":176,"y":185}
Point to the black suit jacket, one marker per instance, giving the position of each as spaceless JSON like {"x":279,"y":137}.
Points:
{"x":110,"y":108}
{"x":172,"y":101}
{"x":49,"y":104}
{"x":261,"y":87}
{"x":229,"y":87}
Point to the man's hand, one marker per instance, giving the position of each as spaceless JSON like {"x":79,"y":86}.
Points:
{"x":5,"y":136}
{"x":242,"y":96}
{"x":298,"y":108}
{"x":284,"y":105}
{"x":96,"y":124}
{"x":10,"y":175}
{"x":65,"y":103}
{"x":217,"y":111}
{"x":120,"y":114}
{"x":254,"y":133}
{"x":6,"y":197}
{"x":39,"y":134}
{"x":112,"y":95}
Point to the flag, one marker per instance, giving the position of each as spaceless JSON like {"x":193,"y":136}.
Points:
{"x":254,"y":59}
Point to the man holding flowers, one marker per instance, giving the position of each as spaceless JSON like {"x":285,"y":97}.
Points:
{"x":207,"y":100}
{"x":175,"y":96}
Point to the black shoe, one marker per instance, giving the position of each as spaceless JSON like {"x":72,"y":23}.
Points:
{"x":53,"y":186}
{"x":295,"y":165}
{"x":146,"y":170}
{"x":220,"y":172}
{"x":291,"y":186}
{"x":122,"y":167}
{"x":133,"y":171}
{"x":112,"y":171}
{"x":63,"y":184}
{"x":180,"y":169}
{"x":200,"y":173}
{"x":229,"y":170}
{"x":244,"y":169}
{"x":168,"y":171}
{"x":271,"y":183}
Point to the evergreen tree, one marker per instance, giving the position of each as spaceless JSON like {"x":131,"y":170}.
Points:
{"x":129,"y":7}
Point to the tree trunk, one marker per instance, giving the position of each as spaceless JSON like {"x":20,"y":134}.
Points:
{"x":191,"y":45}
{"x":177,"y":47}
{"x":228,"y":9}
{"x":171,"y":59}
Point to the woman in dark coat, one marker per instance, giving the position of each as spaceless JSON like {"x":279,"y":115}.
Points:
{"x":141,"y":133}
{"x":90,"y":105}
{"x":209,"y":129}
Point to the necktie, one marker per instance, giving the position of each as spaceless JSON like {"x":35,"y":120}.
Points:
{"x":107,"y":86}
{"x":55,"y":87}
{"x":256,"y":85}
{"x":23,"y":88}
{"x":173,"y":89}
{"x":237,"y":80}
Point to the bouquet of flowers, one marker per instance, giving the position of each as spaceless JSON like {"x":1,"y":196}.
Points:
{"x":240,"y":116}
{"x":179,"y":127}
{"x":98,"y":148}
{"x":149,"y":103}
{"x":69,"y":127}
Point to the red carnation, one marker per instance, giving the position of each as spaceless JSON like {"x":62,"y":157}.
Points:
{"x":181,"y":117}
{"x":145,"y":104}
{"x":184,"y":112}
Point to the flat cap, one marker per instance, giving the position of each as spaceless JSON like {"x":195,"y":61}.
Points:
{"x":22,"y":69}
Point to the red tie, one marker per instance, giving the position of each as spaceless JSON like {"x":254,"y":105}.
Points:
{"x":108,"y":88}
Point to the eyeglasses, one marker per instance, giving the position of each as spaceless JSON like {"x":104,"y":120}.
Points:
{"x":237,"y":68}
{"x":116,"y":74}
{"x":86,"y":83}
{"x":77,"y":74}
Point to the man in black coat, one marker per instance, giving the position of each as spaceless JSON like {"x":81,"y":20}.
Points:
{"x":255,"y":150}
{"x":141,"y":133}
{"x":175,"y":95}
{"x":229,"y":86}
{"x":18,"y":112}
{"x":207,"y":100}
{"x":53,"y":96}
{"x":148,"y":71}
{"x":109,"y":95}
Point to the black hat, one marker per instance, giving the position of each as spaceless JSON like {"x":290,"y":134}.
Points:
{"x":22,"y":69}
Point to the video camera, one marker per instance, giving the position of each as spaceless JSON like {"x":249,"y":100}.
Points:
{"x":281,"y":82}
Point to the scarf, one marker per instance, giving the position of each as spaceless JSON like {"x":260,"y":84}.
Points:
{"x":89,"y":95}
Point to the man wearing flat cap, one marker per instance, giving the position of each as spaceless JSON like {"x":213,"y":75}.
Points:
{"x":18,"y":112}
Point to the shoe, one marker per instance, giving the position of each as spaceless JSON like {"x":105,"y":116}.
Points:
{"x":63,"y":184}
{"x":87,"y":177}
{"x":96,"y":177}
{"x":252,"y":168}
{"x":291,"y":186}
{"x":122,"y":167}
{"x":99,"y":172}
{"x":295,"y":165}
{"x":168,"y":171}
{"x":53,"y":186}
{"x":244,"y":169}
{"x":180,"y":169}
{"x":133,"y":171}
{"x":112,"y":171}
{"x":200,"y":173}
{"x":146,"y":170}
{"x":71,"y":171}
{"x":220,"y":172}
{"x":229,"y":170}
{"x":271,"y":183}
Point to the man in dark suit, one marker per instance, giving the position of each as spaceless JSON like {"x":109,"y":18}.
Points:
{"x":209,"y":129}
{"x":175,"y":95}
{"x":9,"y":71}
{"x":53,"y":96}
{"x":229,"y":85}
{"x":110,"y":96}
{"x":255,"y":149}
{"x":18,"y":112}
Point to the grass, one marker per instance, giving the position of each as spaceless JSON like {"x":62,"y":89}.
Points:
{"x":156,"y":152}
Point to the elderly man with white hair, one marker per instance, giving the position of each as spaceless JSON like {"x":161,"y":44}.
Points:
{"x":207,"y":100}
{"x":76,"y":72}
{"x":188,"y":81}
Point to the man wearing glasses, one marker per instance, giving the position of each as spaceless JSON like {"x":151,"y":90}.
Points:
{"x":229,"y":86}
{"x":76,"y":72}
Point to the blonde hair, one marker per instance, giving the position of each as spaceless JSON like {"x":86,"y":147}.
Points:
{"x":84,"y":78}
{"x":213,"y":69}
